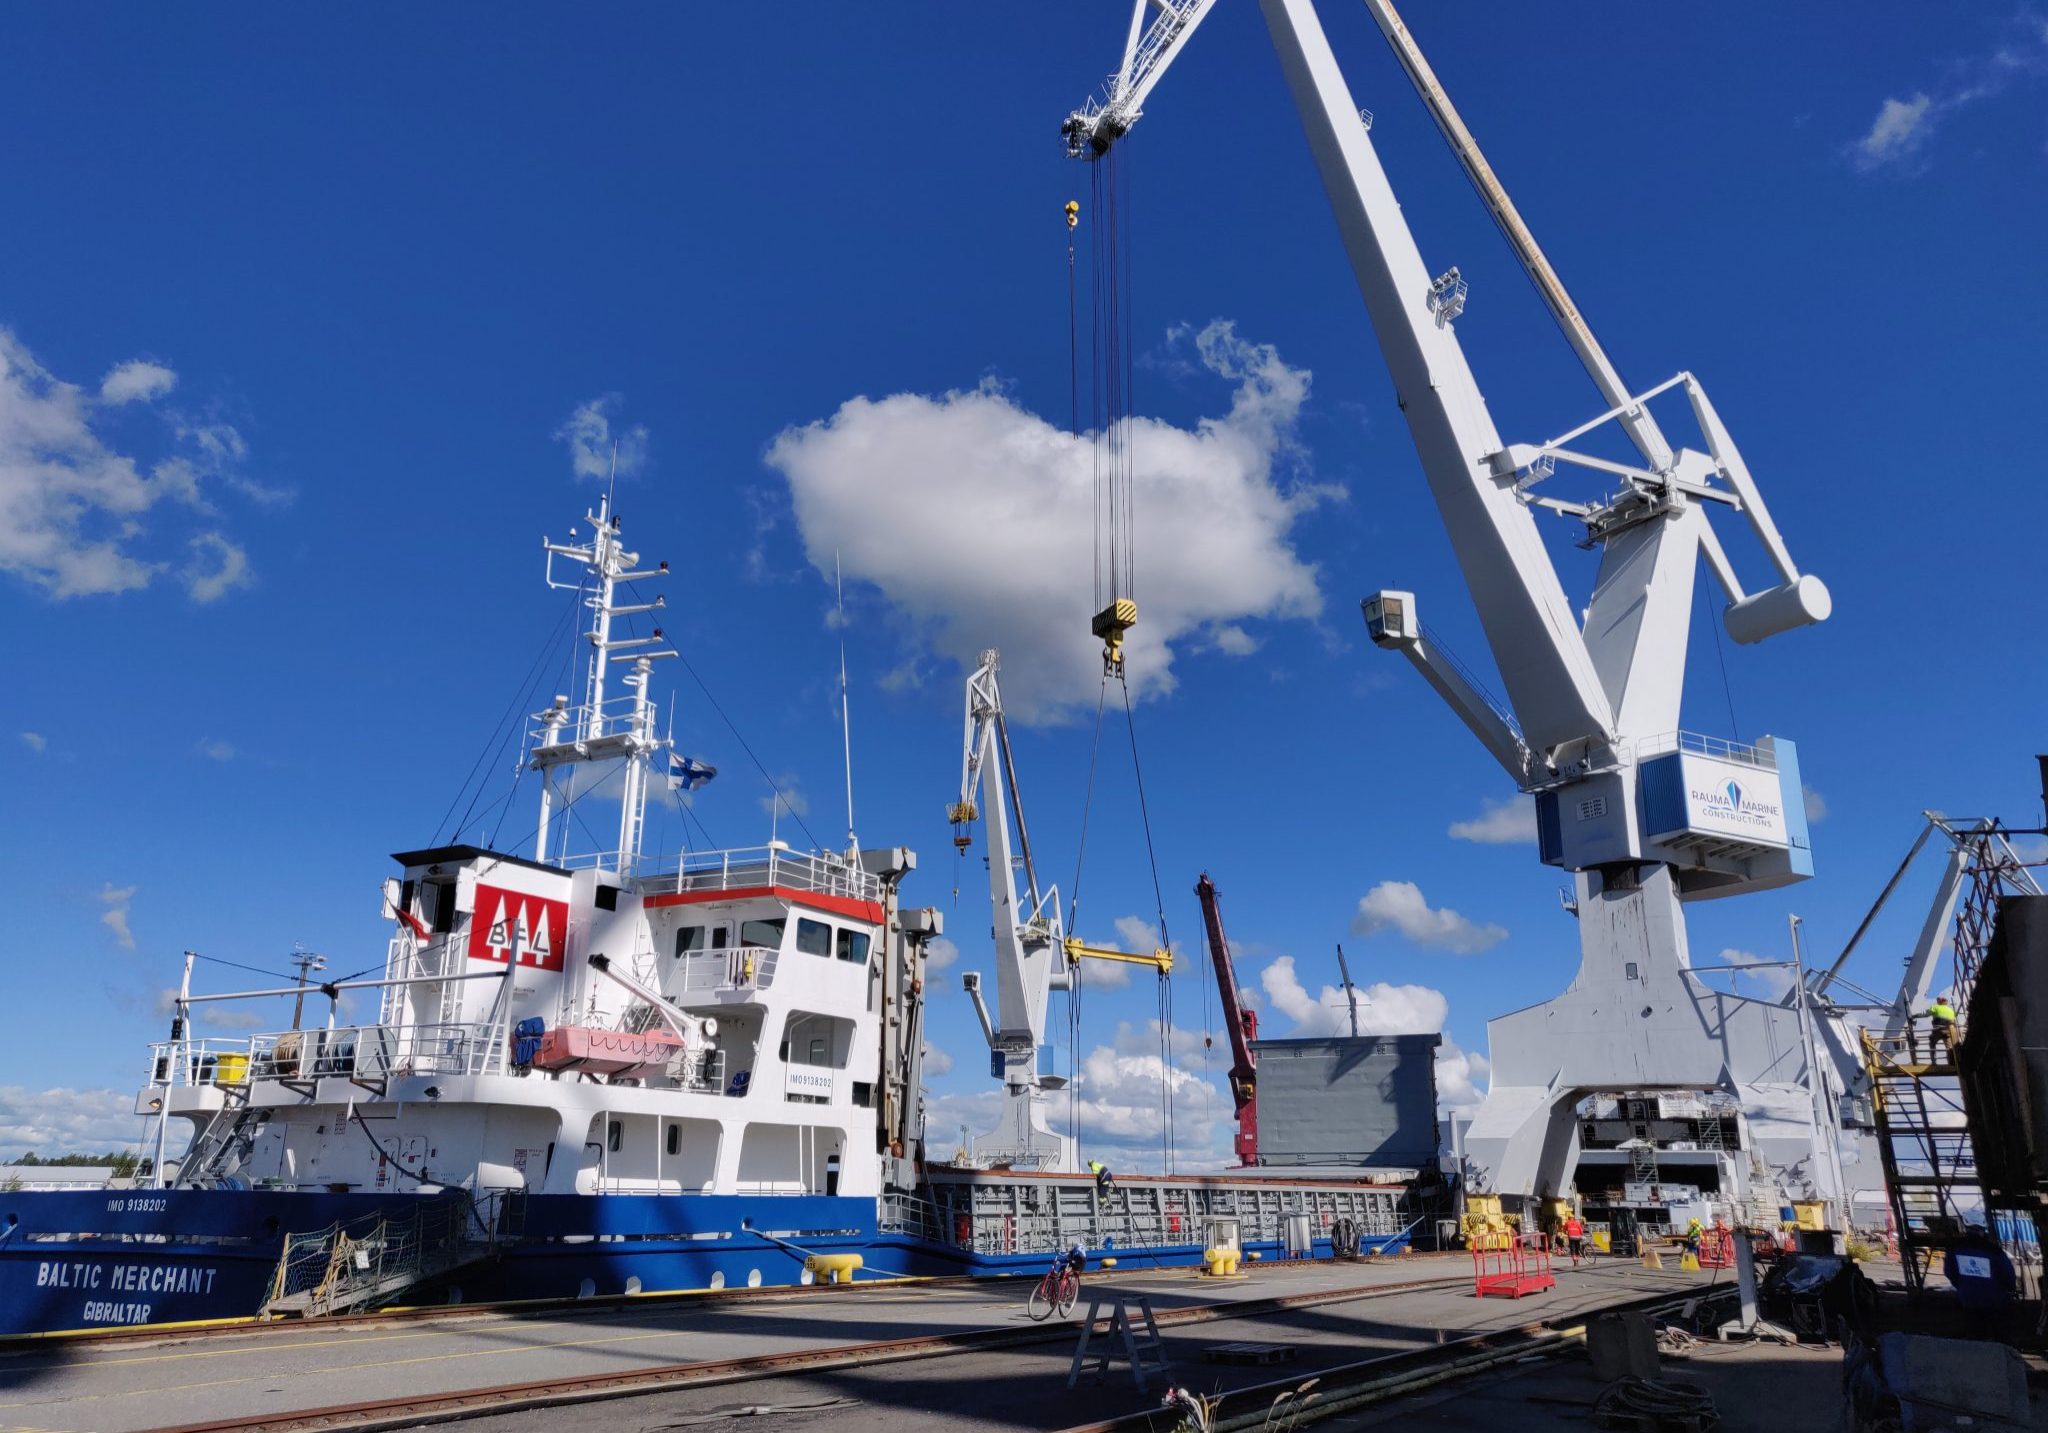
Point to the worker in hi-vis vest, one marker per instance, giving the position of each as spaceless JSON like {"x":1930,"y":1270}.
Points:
{"x":1943,"y":1017}
{"x":1103,"y":1178}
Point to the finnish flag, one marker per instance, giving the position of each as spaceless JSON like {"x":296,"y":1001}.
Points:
{"x":686,"y":773}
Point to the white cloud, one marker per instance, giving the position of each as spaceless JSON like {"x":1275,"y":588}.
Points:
{"x":1383,"y":1008}
{"x":939,"y":953}
{"x":217,"y":750}
{"x":217,"y":568}
{"x":222,"y":1017}
{"x":1460,"y":1079}
{"x":78,"y":517}
{"x":1105,"y":975}
{"x":35,"y":741}
{"x":936,"y":1061}
{"x":1399,"y":905}
{"x":1499,"y":823}
{"x":1816,"y":804}
{"x":591,"y":436}
{"x":115,"y":917}
{"x":65,"y":1121}
{"x":788,"y":799}
{"x":914,"y":492}
{"x":137,"y":380}
{"x":1899,"y":137}
{"x":1121,"y":1116}
{"x":1771,"y":983}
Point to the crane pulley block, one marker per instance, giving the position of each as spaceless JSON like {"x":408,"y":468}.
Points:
{"x":963,"y":815}
{"x":1110,"y":624}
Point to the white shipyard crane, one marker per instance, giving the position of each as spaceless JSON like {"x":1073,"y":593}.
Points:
{"x":1645,"y":816}
{"x":1034,"y":955}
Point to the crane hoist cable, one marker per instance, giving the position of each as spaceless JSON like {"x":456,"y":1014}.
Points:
{"x":1115,"y":510}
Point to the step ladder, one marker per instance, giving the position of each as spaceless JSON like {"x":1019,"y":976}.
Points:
{"x":1144,"y":1351}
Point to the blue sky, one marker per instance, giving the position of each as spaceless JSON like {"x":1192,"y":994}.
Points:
{"x":299,"y":311}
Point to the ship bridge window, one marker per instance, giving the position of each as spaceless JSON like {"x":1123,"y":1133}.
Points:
{"x":853,"y":946}
{"x":442,"y":894}
{"x":813,"y":937}
{"x":689,"y":938}
{"x":766,"y":933}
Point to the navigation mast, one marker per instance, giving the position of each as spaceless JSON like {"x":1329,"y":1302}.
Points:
{"x":601,"y":728}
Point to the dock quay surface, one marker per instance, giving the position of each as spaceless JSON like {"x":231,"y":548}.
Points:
{"x":889,"y":1355}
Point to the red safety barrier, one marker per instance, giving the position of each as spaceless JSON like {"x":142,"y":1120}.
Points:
{"x":1509,"y":1267}
{"x":1717,"y":1248}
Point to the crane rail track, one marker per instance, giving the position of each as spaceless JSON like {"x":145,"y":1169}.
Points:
{"x":1352,"y":1385}
{"x":385,"y":1413}
{"x":595,"y":1305}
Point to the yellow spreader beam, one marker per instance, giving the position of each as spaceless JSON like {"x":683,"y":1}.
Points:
{"x":1160,"y":960}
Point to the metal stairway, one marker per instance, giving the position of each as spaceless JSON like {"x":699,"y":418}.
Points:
{"x":211,"y":1154}
{"x":1930,"y":1167}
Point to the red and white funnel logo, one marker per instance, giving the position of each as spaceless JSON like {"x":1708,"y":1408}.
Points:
{"x":510,"y":926}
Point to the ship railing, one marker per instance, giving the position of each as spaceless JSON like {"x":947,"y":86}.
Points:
{"x":1700,"y":744}
{"x":617,"y":716}
{"x":199,"y":1062}
{"x":738,"y":967}
{"x":376,"y":1052}
{"x":756,"y":867}
{"x":902,"y":1213}
{"x":702,"y":1072}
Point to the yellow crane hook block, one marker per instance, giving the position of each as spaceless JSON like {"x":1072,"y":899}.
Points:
{"x":1110,"y":624}
{"x":1073,"y":212}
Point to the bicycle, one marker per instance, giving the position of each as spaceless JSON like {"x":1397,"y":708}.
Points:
{"x":1056,"y":1291}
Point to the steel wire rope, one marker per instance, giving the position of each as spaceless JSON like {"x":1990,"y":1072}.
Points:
{"x":1165,"y":940}
{"x":239,"y":966}
{"x":507,"y":722}
{"x":561,"y":685}
{"x":798,"y":816}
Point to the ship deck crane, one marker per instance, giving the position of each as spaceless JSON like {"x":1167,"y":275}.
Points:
{"x":1645,"y":816}
{"x":1034,"y":955}
{"x":1241,"y":1022}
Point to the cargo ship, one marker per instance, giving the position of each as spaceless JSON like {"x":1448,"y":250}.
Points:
{"x":596,"y":1073}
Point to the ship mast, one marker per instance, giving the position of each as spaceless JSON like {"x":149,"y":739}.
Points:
{"x":602,"y":728}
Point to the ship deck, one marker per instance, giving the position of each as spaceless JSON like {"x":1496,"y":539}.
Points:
{"x":958,"y":1351}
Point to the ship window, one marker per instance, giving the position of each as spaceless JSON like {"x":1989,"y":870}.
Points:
{"x":615,"y":1136}
{"x":718,"y":937}
{"x":765,"y":933}
{"x":444,"y":905}
{"x":813,"y":937}
{"x":818,"y":1051}
{"x":689,"y":938}
{"x":853,"y":946}
{"x":675,"y":1139}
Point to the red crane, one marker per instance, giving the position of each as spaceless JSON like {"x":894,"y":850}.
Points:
{"x":1242,"y":1024}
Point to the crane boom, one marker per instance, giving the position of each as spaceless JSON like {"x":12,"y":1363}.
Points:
{"x":1241,"y":1024}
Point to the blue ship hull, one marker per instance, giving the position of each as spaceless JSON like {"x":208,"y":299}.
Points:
{"x":109,"y":1258}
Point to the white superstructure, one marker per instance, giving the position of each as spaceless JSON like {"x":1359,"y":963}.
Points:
{"x":576,"y":1022}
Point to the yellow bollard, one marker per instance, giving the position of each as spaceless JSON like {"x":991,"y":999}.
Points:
{"x":833,"y":1268}
{"x":1690,"y":1261}
{"x":1652,"y":1259}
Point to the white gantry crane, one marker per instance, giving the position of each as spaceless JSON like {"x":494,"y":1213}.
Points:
{"x":1645,"y":816}
{"x":1034,"y":956}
